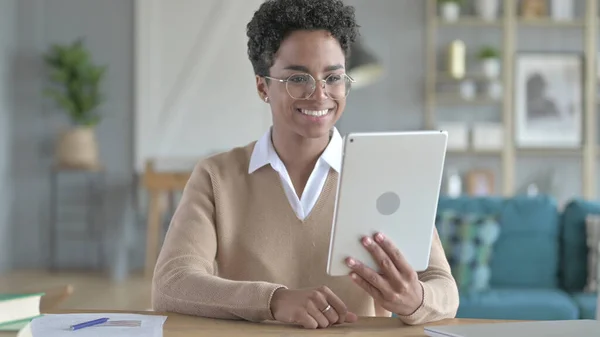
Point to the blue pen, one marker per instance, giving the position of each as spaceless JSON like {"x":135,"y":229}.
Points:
{"x":90,"y":323}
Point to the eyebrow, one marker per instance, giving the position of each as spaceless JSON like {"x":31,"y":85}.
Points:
{"x":304,"y":69}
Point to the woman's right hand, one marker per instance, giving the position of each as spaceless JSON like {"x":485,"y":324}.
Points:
{"x":311,"y":308}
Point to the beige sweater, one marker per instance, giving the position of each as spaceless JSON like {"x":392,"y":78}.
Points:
{"x":243,"y":224}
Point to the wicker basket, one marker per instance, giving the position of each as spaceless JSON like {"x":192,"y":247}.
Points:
{"x":77,"y":148}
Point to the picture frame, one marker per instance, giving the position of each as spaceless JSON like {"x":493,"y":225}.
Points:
{"x":480,"y":182}
{"x":549,"y":100}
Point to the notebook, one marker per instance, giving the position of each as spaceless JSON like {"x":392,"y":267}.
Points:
{"x":58,"y":325}
{"x":571,"y":328}
{"x":16,"y":310}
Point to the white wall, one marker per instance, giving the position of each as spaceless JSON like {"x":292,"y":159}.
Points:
{"x":196,"y":91}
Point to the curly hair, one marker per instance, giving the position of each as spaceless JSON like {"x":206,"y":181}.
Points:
{"x":276,"y":19}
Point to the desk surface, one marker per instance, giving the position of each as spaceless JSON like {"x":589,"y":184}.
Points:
{"x":187,"y":326}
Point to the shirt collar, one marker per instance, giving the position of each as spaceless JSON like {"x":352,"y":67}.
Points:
{"x":264,"y":153}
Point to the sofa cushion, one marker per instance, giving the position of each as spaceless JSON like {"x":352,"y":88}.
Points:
{"x":574,"y":257}
{"x":468,"y":241}
{"x":528,"y":244}
{"x":587,"y":303}
{"x":518,"y":304}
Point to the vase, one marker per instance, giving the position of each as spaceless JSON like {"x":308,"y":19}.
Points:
{"x":77,"y":148}
{"x":487,"y":9}
{"x":494,"y":90}
{"x":450,"y":11}
{"x":454,"y":187}
{"x":468,"y":90}
{"x":457,"y":59}
{"x":490,"y":68}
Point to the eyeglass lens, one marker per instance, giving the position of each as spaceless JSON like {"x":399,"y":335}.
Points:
{"x":302,"y":86}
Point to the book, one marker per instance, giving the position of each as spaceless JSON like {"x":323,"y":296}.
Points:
{"x":16,"y":310}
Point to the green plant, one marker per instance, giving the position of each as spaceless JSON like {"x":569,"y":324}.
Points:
{"x":488,"y":53}
{"x":75,"y":82}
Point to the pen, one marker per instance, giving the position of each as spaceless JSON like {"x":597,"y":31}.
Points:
{"x":87,"y":324}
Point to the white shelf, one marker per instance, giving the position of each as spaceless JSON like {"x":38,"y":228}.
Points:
{"x":548,"y":23}
{"x":510,"y":24}
{"x":468,"y":21}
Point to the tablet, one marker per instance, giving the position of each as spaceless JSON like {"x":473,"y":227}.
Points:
{"x":389,"y":183}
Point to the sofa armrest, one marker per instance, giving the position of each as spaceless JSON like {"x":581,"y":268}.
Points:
{"x":598,"y":285}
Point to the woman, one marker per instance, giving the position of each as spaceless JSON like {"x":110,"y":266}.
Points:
{"x":250,"y":236}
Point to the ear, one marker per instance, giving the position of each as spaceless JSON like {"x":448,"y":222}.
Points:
{"x":262,"y":88}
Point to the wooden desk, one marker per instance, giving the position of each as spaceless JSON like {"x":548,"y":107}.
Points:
{"x":188,"y":326}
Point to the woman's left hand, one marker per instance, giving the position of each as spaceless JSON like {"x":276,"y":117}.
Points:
{"x":397,"y":287}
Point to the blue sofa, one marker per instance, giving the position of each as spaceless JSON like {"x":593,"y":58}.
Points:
{"x":538,"y":263}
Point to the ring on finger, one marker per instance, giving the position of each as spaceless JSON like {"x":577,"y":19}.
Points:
{"x":326,"y":309}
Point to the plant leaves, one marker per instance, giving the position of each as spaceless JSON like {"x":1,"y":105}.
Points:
{"x":75,"y":81}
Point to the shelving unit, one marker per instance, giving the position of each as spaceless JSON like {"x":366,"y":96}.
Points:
{"x":508,"y":24}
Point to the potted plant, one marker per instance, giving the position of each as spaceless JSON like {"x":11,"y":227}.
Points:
{"x":487,"y":9}
{"x":450,"y":9}
{"x":490,"y":61}
{"x":75,"y":86}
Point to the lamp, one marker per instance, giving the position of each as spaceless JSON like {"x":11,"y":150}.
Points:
{"x":363,"y":66}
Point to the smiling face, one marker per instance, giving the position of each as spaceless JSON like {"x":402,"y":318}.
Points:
{"x":311,"y":52}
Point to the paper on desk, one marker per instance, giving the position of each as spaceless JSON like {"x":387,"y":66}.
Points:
{"x":57,"y":325}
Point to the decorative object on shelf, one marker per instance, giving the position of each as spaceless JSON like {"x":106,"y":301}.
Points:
{"x":540,"y":182}
{"x":548,"y":100}
{"x":480,"y":182}
{"x":490,"y":62}
{"x":363,"y":66}
{"x":562,"y":10}
{"x":468,"y":90}
{"x":75,"y":87}
{"x":458,"y":135}
{"x":487,"y":136}
{"x":487,"y":9}
{"x":494,"y":89}
{"x":457,"y":59}
{"x":532,"y":190}
{"x":534,"y":9}
{"x":454,"y":187}
{"x":450,"y":9}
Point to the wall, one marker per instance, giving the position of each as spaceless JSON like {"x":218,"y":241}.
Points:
{"x":394,"y":30}
{"x":7,"y":49}
{"x":192,"y":85}
{"x":108,"y":26}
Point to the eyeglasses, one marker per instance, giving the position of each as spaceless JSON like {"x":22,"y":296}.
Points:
{"x":302,"y":86}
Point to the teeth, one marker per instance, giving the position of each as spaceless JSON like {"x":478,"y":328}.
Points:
{"x":317,"y":113}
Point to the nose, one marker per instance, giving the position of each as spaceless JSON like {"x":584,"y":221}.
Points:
{"x":320,"y":93}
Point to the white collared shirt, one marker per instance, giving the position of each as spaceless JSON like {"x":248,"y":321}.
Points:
{"x":264,"y":153}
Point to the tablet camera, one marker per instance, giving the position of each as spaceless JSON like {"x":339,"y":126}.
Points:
{"x":388,"y":203}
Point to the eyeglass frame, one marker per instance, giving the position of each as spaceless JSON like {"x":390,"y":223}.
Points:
{"x":315,"y":86}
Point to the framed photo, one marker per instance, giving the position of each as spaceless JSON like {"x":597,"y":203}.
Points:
{"x":549,"y":100}
{"x":480,"y":182}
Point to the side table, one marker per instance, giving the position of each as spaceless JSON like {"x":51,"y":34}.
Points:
{"x":94,"y":186}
